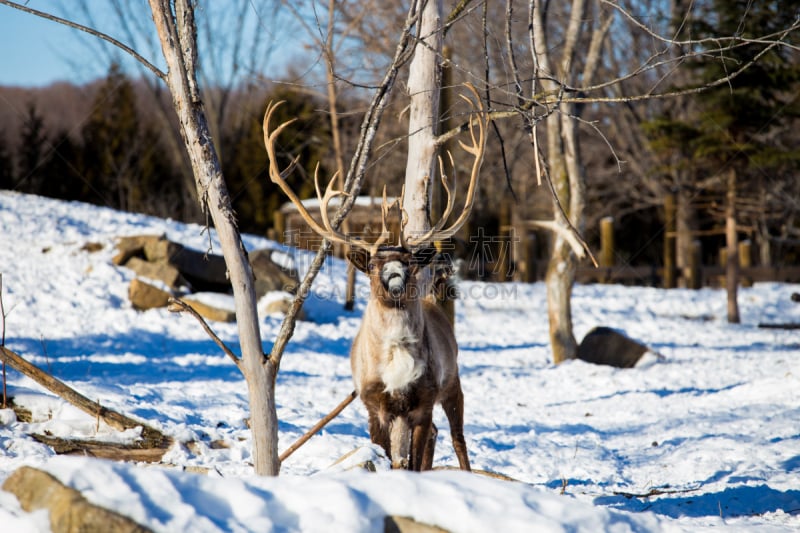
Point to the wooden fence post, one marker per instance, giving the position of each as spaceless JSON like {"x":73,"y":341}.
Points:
{"x":695,"y":273}
{"x":529,"y":247}
{"x":503,"y":264}
{"x":745,"y":261}
{"x":607,"y":246}
{"x":279,"y":225}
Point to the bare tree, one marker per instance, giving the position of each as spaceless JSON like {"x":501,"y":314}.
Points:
{"x":565,"y":172}
{"x":175,"y":24}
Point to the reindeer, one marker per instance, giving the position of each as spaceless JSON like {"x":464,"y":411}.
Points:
{"x":404,"y":357}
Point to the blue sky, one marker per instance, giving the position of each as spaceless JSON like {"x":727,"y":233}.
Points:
{"x":36,"y":52}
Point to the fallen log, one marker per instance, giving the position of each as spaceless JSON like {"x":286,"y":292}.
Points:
{"x":141,"y":451}
{"x":152,"y":439}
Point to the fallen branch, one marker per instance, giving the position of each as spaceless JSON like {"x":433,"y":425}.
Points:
{"x":318,"y":426}
{"x":656,"y":491}
{"x":151,"y":436}
{"x":140,"y":451}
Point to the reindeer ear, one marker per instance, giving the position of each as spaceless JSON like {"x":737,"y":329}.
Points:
{"x":359,"y":258}
{"x":424,"y":256}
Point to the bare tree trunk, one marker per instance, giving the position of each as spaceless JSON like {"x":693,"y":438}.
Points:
{"x":732,"y":245}
{"x":177,"y":33}
{"x":424,"y":82}
{"x":566,"y":178}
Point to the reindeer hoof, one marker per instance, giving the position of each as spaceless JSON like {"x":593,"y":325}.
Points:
{"x":402,"y":464}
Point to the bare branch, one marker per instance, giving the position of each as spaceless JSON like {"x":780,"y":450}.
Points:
{"x":91,"y":31}
{"x":776,"y":36}
{"x":176,"y":305}
{"x":568,"y":233}
{"x":457,"y":11}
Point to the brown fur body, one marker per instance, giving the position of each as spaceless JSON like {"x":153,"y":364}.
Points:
{"x":404,"y":362}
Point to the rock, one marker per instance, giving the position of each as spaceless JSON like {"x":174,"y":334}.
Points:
{"x":69,"y":511}
{"x":270,"y":276}
{"x":209,"y":311}
{"x":145,"y":296}
{"x":133,"y":246}
{"x":156,"y":258}
{"x":401,"y":524}
{"x":281,"y":306}
{"x":606,"y":346}
{"x":206,"y":272}
{"x":91,"y":247}
{"x":161,"y":249}
{"x":158,"y":271}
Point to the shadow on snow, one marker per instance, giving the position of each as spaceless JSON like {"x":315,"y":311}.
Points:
{"x":730,"y":503}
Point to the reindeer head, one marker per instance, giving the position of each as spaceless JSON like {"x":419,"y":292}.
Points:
{"x":392,"y":272}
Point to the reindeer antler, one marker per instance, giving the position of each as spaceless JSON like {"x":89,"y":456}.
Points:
{"x":326,"y":229}
{"x":476,"y":149}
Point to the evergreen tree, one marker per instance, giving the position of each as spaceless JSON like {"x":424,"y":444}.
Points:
{"x":32,"y":153}
{"x":158,"y":189}
{"x":111,"y":139}
{"x":738,"y":121}
{"x":744,"y":127}
{"x":6,"y":165}
{"x":61,"y":169}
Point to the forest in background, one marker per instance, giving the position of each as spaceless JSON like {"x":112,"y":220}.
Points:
{"x":114,"y":142}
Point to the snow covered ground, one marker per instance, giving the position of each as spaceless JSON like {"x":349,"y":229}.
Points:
{"x":708,"y":438}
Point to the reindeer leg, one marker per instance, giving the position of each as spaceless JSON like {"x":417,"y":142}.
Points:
{"x":420,"y":436}
{"x":430,"y":447}
{"x":374,"y":401}
{"x":453,"y":405}
{"x":400,"y":439}
{"x":379,"y":434}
